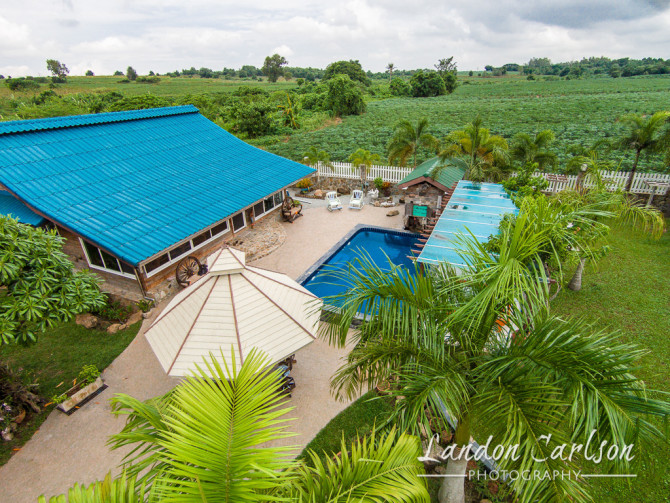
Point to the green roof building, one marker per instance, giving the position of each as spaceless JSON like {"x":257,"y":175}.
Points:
{"x":451,"y":174}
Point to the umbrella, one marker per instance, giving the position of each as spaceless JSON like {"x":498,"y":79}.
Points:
{"x":234,"y":305}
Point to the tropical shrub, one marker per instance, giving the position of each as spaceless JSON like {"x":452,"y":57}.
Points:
{"x":426,"y":84}
{"x":344,"y":97}
{"x":400,"y":87}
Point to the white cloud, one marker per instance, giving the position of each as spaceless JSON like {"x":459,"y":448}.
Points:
{"x":164,"y":35}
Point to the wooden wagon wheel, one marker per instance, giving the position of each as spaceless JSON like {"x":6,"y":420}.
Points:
{"x":187,"y":267}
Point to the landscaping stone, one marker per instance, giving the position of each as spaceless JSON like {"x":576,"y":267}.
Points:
{"x":113,"y":328}
{"x":87,"y":320}
{"x":134,"y":318}
{"x":393,"y":213}
{"x":318,"y":193}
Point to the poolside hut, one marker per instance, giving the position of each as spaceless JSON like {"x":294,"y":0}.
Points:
{"x":234,"y":305}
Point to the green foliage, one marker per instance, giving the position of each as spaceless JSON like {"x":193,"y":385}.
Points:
{"x":273,"y":67}
{"x":138,"y":103}
{"x":89,"y":73}
{"x":305,"y":183}
{"x":534,"y":150}
{"x":112,"y":310}
{"x":253,"y":119}
{"x":88,"y":375}
{"x":40,"y":287}
{"x":145,"y":305}
{"x":314,"y":156}
{"x":379,"y":183}
{"x":131,"y":74}
{"x":450,"y":82}
{"x":344,"y":97}
{"x":408,"y":139}
{"x":148,"y":80}
{"x":400,"y":87}
{"x":351,"y":68}
{"x":526,"y":182}
{"x":426,"y":84}
{"x":57,"y":69}
{"x":21,"y":84}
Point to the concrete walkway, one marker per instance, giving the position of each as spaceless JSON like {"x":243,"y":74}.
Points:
{"x":69,"y":449}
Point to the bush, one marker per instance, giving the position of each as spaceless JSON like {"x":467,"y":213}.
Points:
{"x":379,"y":183}
{"x":147,"y":80}
{"x":427,"y":84}
{"x":344,"y":96}
{"x":253,"y":119}
{"x":400,"y":87}
{"x":305,"y":183}
{"x":21,"y":84}
{"x":113,"y":311}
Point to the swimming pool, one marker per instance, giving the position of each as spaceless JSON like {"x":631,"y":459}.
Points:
{"x":380,"y":244}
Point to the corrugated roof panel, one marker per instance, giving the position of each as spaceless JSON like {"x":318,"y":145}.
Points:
{"x":169,"y":176}
{"x":9,"y":205}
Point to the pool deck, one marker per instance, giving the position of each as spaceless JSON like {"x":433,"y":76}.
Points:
{"x":69,"y":449}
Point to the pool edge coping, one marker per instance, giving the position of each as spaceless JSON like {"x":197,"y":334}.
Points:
{"x":331,"y":251}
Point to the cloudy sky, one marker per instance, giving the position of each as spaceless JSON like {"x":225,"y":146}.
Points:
{"x":164,"y":35}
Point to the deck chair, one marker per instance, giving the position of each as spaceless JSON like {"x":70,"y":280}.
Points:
{"x":333,"y":201}
{"x":356,"y":202}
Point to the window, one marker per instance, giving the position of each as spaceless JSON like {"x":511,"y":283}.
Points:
{"x":259,"y":209}
{"x":279,"y":197}
{"x":239,"y":221}
{"x":269,"y":203}
{"x":180,"y":251}
{"x":100,"y":259}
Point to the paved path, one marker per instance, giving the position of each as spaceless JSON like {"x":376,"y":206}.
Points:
{"x":69,"y":449}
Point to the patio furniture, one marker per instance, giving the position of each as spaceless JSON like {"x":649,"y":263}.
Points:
{"x":333,"y":201}
{"x":356,"y":202}
{"x":290,"y":210}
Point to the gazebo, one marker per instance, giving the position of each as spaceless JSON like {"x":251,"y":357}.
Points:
{"x":234,"y":306}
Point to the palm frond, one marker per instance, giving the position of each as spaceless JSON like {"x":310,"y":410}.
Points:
{"x":120,"y":490}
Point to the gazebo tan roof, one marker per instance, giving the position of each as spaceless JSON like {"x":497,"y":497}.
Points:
{"x":236,"y":306}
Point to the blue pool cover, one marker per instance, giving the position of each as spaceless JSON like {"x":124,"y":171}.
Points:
{"x":474,"y":207}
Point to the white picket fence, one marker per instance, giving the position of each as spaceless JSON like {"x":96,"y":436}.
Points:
{"x":614,"y":179}
{"x":391,"y":174}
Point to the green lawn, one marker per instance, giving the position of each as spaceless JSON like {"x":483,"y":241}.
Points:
{"x":630,"y":292}
{"x":356,"y":420}
{"x":57,"y":358}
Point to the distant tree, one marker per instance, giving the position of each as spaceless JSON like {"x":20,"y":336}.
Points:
{"x":344,"y":97}
{"x":300,"y":82}
{"x":255,"y":118}
{"x":539,"y":63}
{"x":206,"y":73}
{"x":131,"y":74}
{"x":272,"y":67}
{"x":615,"y":71}
{"x":151,"y":73}
{"x":287,"y":75}
{"x":471,"y":73}
{"x":408,"y":139}
{"x":450,"y":82}
{"x":2,"y":77}
{"x":40,"y":286}
{"x":426,"y":84}
{"x":529,"y":150}
{"x":351,"y":68}
{"x":118,"y":73}
{"x":488,"y":68}
{"x":57,"y":69}
{"x":89,"y":73}
{"x":389,"y":68}
{"x":447,"y":65}
{"x":362,"y":160}
{"x":643,"y":134}
{"x":399,"y":87}
{"x":21,"y":84}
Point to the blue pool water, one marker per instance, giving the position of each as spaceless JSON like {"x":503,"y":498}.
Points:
{"x":380,"y":245}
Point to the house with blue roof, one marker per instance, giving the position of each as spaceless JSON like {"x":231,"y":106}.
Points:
{"x":134,"y":193}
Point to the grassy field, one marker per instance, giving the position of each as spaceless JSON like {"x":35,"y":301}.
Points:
{"x":55,"y":361}
{"x":578,"y":111}
{"x":630,"y":292}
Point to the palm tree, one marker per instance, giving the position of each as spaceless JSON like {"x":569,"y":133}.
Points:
{"x":529,"y":150}
{"x":317,"y":158}
{"x":438,"y":337}
{"x":485,"y":154}
{"x":407,"y":140}
{"x":203,"y":442}
{"x":389,"y":68}
{"x":642,"y":135}
{"x":363,"y":160}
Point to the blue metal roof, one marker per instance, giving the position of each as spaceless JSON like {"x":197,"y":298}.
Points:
{"x":137,"y":182}
{"x":475,"y":208}
{"x":9,"y":205}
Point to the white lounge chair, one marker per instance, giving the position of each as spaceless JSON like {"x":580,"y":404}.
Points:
{"x":333,"y":201}
{"x":356,"y":202}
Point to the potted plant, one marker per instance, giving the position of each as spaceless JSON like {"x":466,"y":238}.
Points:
{"x":86,"y":384}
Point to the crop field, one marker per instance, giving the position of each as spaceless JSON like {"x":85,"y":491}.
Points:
{"x":578,"y":111}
